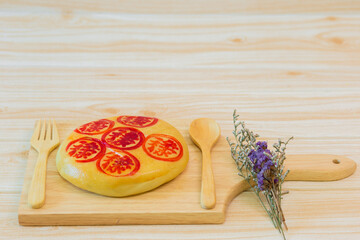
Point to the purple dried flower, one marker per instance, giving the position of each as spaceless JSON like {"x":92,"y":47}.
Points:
{"x":262,"y":145}
{"x":261,"y":167}
{"x":262,"y":162}
{"x":260,"y":180}
{"x":252,"y":155}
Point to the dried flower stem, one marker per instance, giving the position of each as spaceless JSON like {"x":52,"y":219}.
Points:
{"x":262,"y":169}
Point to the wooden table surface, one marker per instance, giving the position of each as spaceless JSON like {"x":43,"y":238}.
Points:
{"x":290,"y":68}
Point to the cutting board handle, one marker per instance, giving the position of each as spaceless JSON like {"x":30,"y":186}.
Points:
{"x":306,"y":167}
{"x":318,"y":167}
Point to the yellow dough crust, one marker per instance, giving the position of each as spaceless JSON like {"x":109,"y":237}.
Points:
{"x":151,"y":172}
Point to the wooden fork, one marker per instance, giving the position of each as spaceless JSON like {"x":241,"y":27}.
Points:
{"x":44,"y":139}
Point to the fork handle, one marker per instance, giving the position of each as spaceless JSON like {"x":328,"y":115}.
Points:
{"x":36,"y":195}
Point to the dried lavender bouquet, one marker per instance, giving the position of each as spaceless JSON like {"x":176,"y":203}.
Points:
{"x":261,"y":168}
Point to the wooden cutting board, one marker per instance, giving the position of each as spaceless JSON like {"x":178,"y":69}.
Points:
{"x":177,"y":202}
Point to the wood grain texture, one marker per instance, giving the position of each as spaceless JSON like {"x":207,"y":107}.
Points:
{"x":180,"y":201}
{"x":190,"y":6}
{"x":289,"y":67}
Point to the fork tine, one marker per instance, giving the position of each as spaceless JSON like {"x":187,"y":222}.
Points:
{"x":36,"y":133}
{"x":43,"y":130}
{"x":55,"y":133}
{"x":48,"y":131}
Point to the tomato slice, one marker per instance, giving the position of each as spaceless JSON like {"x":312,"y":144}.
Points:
{"x":137,"y":121}
{"x":118,"y":163}
{"x":95,"y":127}
{"x":163,"y":147}
{"x":123,"y":138}
{"x":85,"y":149}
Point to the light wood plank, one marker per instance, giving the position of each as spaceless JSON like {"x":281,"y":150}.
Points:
{"x":190,"y":41}
{"x":193,"y":6}
{"x":289,"y":67}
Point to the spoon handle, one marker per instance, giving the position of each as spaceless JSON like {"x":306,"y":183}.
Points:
{"x":207,"y":198}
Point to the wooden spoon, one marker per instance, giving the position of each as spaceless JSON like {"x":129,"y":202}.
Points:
{"x":205,"y":132}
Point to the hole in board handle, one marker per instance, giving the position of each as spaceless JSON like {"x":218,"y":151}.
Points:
{"x":336,"y":161}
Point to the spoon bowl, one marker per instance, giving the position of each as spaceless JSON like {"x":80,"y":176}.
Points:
{"x":204,"y":132}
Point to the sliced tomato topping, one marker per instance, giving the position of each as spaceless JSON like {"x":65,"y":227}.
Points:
{"x":163,"y":147}
{"x":137,"y":121}
{"x":123,"y":138}
{"x":95,"y":127}
{"x":85,"y":149}
{"x":118,"y":163}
